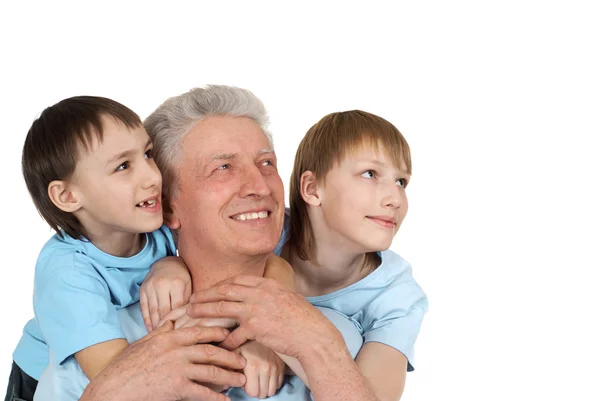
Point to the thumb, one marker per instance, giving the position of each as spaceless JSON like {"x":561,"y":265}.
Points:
{"x":236,"y":338}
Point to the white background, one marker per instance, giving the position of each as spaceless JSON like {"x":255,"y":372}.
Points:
{"x":499,"y":101}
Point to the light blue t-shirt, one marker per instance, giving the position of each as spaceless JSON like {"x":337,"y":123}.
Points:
{"x":77,"y":292}
{"x":387,"y":306}
{"x":66,"y":381}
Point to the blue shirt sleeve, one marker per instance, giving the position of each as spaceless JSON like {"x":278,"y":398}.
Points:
{"x":73,"y":306}
{"x":394,"y":318}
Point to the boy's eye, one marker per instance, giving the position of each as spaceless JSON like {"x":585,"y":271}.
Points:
{"x":401,"y":182}
{"x":368,"y":174}
{"x":148,"y":154}
{"x":123,"y":166}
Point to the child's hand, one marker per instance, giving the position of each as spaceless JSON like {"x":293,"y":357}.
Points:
{"x":181,"y":319}
{"x":264,"y":370}
{"x":167,"y":287}
{"x":279,"y":269}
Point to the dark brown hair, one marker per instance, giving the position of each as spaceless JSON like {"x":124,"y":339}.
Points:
{"x":326,"y":143}
{"x":51,"y":150}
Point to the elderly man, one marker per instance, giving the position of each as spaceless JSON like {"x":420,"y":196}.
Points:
{"x":225,"y":201}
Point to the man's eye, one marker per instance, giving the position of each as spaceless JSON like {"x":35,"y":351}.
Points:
{"x":268,"y":163}
{"x":224,"y":167}
{"x":123,"y":166}
{"x":148,"y":154}
{"x":368,"y":174}
{"x":401,"y":182}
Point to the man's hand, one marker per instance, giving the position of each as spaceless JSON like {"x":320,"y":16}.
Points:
{"x":167,"y":287}
{"x":267,"y":312}
{"x":169,"y":365}
{"x":180,"y":319}
{"x":264,"y":370}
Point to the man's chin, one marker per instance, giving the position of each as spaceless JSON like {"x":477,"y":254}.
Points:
{"x":257,"y":248}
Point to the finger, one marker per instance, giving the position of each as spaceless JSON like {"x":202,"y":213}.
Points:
{"x":164,"y":302}
{"x":167,"y":326}
{"x":153,"y":307}
{"x":198,"y":335}
{"x":196,"y":391}
{"x":187,"y":291}
{"x":177,"y":298}
{"x":263,"y":378}
{"x":225,"y":292}
{"x":228,"y":309}
{"x":280,"y":381}
{"x":145,"y":311}
{"x":239,"y":281}
{"x":236,"y":338}
{"x":213,"y":355}
{"x":215,"y":375}
{"x":175,"y":316}
{"x":252,"y":384}
{"x":273,"y":381}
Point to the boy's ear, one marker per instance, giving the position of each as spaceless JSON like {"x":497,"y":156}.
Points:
{"x":309,"y":189}
{"x":170,"y":218}
{"x":63,"y":196}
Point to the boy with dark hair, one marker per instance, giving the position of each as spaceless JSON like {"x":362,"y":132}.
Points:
{"x":87,"y":162}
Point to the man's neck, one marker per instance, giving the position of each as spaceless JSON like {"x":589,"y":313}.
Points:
{"x":208,"y":267}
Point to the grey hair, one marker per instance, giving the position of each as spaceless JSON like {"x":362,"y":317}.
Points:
{"x":172,"y":121}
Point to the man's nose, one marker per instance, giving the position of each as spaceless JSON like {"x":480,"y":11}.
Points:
{"x":254,"y":183}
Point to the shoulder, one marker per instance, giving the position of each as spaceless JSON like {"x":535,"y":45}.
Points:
{"x":163,"y":237}
{"x":59,"y":252}
{"x":66,"y":258}
{"x":396,"y":283}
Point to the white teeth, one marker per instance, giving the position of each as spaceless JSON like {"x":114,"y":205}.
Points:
{"x":148,"y":203}
{"x":252,"y":216}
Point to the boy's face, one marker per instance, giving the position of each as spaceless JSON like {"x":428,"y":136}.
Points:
{"x":117,"y":183}
{"x":363,"y":200}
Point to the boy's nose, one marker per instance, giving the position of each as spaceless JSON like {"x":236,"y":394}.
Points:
{"x":152,"y":176}
{"x":392,"y":199}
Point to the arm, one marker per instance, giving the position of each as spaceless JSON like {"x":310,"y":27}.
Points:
{"x":288,"y":324}
{"x":96,"y":357}
{"x":384,"y":368}
{"x":169,"y":365}
{"x":280,"y":270}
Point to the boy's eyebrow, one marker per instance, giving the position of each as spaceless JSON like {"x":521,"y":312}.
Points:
{"x":382,"y":164}
{"x":127,"y":152}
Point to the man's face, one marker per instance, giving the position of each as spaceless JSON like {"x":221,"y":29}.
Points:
{"x":230,"y":196}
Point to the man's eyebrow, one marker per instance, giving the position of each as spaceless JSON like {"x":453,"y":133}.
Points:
{"x":266,"y":150}
{"x":224,"y":156}
{"x":127,"y":153}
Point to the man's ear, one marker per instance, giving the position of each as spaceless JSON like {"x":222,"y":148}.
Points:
{"x":170,"y":218}
{"x":63,"y":196}
{"x":309,"y":189}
